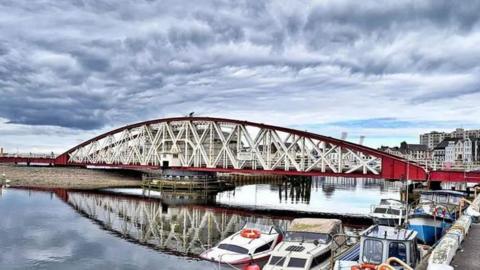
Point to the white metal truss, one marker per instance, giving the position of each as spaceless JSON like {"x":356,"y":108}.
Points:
{"x":181,"y":229}
{"x":226,"y":145}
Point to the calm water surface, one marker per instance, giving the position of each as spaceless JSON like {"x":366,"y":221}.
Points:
{"x":126,"y":230}
{"x":326,"y":195}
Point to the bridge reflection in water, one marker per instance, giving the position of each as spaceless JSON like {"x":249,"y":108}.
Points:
{"x":185,"y":230}
{"x":187,"y":223}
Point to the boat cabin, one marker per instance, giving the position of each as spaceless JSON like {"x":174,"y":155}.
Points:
{"x":378,"y":243}
{"x":307,"y":245}
{"x":389,"y":212}
{"x":442,"y":196}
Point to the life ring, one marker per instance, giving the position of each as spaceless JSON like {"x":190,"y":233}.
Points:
{"x":364,"y":266}
{"x":250,"y":233}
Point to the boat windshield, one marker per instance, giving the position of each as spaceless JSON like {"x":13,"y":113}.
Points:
{"x":265,"y":229}
{"x":233,"y":248}
{"x":372,"y":251}
{"x":277,"y":261}
{"x":390,"y":211}
{"x":297,"y":262}
{"x":322,"y":238}
{"x":444,"y":198}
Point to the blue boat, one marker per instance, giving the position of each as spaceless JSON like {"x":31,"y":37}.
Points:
{"x":434,"y":214}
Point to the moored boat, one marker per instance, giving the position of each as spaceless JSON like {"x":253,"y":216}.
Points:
{"x":434,"y":214}
{"x":378,"y":245}
{"x":307,"y":245}
{"x":251,"y":245}
{"x":389,"y":212}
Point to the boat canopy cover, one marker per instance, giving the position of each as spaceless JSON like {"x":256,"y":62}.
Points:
{"x":315,"y":225}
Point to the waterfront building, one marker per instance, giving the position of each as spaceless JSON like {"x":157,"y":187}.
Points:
{"x":415,"y":151}
{"x":438,"y":153}
{"x":433,"y":138}
{"x":409,"y":151}
{"x":455,"y":150}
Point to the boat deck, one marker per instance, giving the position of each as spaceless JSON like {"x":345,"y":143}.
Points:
{"x":467,"y":258}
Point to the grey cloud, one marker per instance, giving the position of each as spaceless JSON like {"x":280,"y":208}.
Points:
{"x":96,"y":64}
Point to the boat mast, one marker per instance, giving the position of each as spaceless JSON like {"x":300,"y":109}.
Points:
{"x":406,"y":186}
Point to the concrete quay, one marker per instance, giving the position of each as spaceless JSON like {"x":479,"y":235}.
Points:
{"x":468,"y":257}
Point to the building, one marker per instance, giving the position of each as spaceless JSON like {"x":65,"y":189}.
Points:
{"x":391,"y":150}
{"x":417,"y":152}
{"x":432,"y":139}
{"x":438,"y":153}
{"x":461,"y":133}
{"x":456,"y":150}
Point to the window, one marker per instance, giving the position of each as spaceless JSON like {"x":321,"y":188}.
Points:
{"x":372,"y":251}
{"x":278,"y":261}
{"x":380,"y":210}
{"x":233,"y":248}
{"x":393,"y":212}
{"x":297,"y":262}
{"x":322,"y":238}
{"x":264,"y":247}
{"x":397,"y":249}
{"x":320,"y":259}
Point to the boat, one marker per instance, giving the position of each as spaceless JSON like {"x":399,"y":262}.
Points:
{"x":307,"y":245}
{"x":378,"y":245}
{"x":434,"y":214}
{"x":253,"y":244}
{"x":389,"y":212}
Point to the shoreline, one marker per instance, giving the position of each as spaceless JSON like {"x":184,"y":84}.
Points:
{"x":68,"y":178}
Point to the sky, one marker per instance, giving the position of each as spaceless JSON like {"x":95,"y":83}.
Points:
{"x":70,"y":70}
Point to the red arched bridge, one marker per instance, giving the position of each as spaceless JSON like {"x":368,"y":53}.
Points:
{"x":226,"y":145}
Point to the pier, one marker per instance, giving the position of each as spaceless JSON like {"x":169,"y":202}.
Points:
{"x":467,"y":258}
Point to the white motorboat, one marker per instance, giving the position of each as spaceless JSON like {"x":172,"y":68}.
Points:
{"x":253,"y":244}
{"x":389,"y":212}
{"x":307,"y":245}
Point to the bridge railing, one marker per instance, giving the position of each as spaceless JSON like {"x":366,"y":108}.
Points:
{"x":29,"y":155}
{"x":433,"y":165}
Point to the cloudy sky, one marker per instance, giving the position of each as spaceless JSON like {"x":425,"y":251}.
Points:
{"x":73,"y":69}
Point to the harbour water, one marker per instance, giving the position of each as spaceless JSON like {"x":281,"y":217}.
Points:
{"x":125,"y":229}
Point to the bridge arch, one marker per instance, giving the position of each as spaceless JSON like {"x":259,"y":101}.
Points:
{"x":228,"y":145}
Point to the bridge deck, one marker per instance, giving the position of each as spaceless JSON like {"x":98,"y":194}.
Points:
{"x":440,"y":175}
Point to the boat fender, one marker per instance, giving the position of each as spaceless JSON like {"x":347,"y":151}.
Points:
{"x":385,"y":267}
{"x":251,"y":267}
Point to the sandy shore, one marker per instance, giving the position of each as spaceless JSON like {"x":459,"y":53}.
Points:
{"x":59,"y":177}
